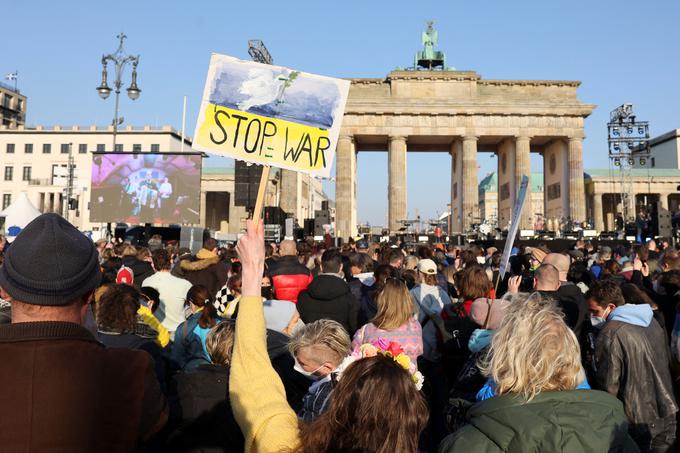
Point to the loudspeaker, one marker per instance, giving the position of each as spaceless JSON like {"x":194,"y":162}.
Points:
{"x":321,"y":218}
{"x":246,"y":183}
{"x":309,"y":227}
{"x":274,"y":215}
{"x":324,"y":205}
{"x":664,"y":222}
{"x":298,"y":234}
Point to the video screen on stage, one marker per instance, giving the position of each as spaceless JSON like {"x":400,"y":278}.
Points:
{"x":136,"y":188}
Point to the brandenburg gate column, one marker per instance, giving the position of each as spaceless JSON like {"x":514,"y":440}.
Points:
{"x":598,"y":218}
{"x":455,"y":217}
{"x":577,"y":194}
{"x":345,"y":182}
{"x":470,"y":190}
{"x":523,"y":167}
{"x":396,"y":191}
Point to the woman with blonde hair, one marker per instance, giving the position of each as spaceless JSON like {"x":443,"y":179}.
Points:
{"x":539,"y":400}
{"x":395,"y":321}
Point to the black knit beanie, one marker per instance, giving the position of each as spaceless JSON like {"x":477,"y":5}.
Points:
{"x":50,"y":263}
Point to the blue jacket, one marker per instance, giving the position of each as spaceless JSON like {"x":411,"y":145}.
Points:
{"x":188,"y":348}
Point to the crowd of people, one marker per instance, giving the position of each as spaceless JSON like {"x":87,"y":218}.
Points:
{"x":366,"y":347}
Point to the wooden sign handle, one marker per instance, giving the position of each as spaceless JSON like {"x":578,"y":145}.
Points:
{"x":261,"y":191}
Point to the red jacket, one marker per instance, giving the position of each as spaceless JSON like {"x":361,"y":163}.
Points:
{"x":289,"y":277}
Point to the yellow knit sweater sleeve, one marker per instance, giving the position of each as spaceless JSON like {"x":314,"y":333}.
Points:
{"x":150,"y":320}
{"x":257,"y":396}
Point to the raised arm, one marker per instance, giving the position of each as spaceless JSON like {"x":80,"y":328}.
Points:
{"x":257,"y":395}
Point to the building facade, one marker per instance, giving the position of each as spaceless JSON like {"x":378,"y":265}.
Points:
{"x":664,"y":151}
{"x":12,"y":106}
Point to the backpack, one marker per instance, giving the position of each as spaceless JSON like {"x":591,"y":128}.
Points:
{"x":454,"y":347}
{"x":125,"y":275}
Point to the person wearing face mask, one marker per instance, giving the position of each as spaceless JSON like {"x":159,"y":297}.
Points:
{"x":632,"y":362}
{"x":318,"y":349}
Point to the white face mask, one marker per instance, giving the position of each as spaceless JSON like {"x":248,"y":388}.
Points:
{"x":599,"y":321}
{"x":309,"y":374}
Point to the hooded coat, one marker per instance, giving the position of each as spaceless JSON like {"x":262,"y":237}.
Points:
{"x":206,"y":269}
{"x":578,"y":421}
{"x":633,"y":363}
{"x":329,"y":297}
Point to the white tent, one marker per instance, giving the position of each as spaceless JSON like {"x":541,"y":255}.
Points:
{"x":17,"y":215}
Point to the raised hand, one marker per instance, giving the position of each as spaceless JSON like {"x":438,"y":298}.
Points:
{"x":513,"y":284}
{"x":250,"y":249}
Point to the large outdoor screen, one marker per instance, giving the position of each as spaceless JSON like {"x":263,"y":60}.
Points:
{"x":135,"y":188}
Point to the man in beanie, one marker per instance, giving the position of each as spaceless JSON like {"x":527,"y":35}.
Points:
{"x":61,"y":389}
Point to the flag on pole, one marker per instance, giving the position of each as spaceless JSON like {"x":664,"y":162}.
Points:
{"x":12,"y":76}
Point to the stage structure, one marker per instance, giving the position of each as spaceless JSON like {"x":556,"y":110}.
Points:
{"x":462,"y":114}
{"x":628,"y":141}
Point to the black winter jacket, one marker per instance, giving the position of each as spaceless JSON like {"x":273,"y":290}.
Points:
{"x":329,"y":297}
{"x":140,"y":269}
{"x":207,"y":421}
{"x":571,"y":296}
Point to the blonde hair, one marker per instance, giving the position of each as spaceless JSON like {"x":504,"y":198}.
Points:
{"x":450,"y":274}
{"x":411,"y":262}
{"x":395,"y":305}
{"x":327,"y":341}
{"x":533,"y":350}
{"x":129,"y":250}
{"x":220,"y":343}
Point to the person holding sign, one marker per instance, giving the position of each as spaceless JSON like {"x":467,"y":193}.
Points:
{"x":259,"y":400}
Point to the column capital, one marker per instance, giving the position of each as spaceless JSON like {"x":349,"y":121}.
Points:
{"x":349,"y":137}
{"x":575,"y":138}
{"x":522,"y":136}
{"x":398,"y":138}
{"x":470,"y":137}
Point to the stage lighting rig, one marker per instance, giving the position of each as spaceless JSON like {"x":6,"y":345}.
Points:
{"x":628,"y":140}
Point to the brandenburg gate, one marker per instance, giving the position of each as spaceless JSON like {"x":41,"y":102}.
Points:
{"x":460,"y":113}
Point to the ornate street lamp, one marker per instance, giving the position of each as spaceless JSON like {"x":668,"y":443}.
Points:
{"x":120,"y":59}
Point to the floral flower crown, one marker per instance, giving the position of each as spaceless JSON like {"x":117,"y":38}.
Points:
{"x":386,"y":348}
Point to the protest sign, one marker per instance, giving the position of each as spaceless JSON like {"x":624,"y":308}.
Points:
{"x":270,"y":115}
{"x":514,"y":226}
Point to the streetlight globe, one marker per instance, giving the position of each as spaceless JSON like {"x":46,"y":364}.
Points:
{"x":134,"y":92}
{"x":104,"y":91}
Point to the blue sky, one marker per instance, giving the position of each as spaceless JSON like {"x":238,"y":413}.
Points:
{"x":622,"y":51}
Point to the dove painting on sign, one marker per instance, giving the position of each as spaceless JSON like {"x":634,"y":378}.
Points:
{"x":270,"y":115}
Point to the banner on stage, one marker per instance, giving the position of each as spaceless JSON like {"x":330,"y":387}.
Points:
{"x":514,"y":226}
{"x":270,"y":115}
